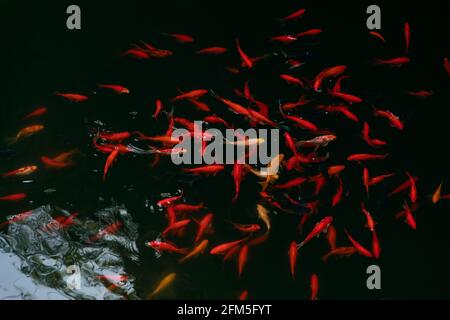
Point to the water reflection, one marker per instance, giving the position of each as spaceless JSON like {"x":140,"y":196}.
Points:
{"x":42,"y":260}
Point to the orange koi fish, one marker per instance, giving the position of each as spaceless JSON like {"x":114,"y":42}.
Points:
{"x":115,"y":88}
{"x":293,"y":253}
{"x":223,"y":248}
{"x":331,"y":237}
{"x":165,"y":282}
{"x":199,"y":249}
{"x":366,"y":157}
{"x":361,"y":250}
{"x":203,"y":226}
{"x":327,"y":73}
{"x":72,"y":97}
{"x":175,"y":226}
{"x":437,"y":194}
{"x":25,"y":133}
{"x":194,"y":94}
{"x":407,"y":31}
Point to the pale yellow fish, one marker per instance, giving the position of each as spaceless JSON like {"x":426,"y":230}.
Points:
{"x":263,"y":214}
{"x":196,"y":251}
{"x":249,"y":142}
{"x":437,"y":194}
{"x":165,"y":282}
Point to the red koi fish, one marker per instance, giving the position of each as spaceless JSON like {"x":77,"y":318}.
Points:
{"x":179,"y":37}
{"x":412,"y":189}
{"x":377,"y":35}
{"x":337,"y":85}
{"x":335,"y":170}
{"x":175,"y":226}
{"x":200,"y":105}
{"x":194,"y":95}
{"x":292,"y":183}
{"x":285,"y":39}
{"x":62,"y":222}
{"x":314,"y":286}
{"x":109,"y":161}
{"x":73,"y":97}
{"x":116,"y":137}
{"x":376,"y":249}
{"x":331,"y":237}
{"x":164,"y":246}
{"x":346,"y":97}
{"x":168,"y":201}
{"x":370,"y":221}
{"x":297,"y":14}
{"x":302,"y":123}
{"x":158,"y":108}
{"x":447,"y":66}
{"x":341,"y":251}
{"x":203,"y":226}
{"x":36,"y":113}
{"x":344,"y":110}
{"x":371,"y":142}
{"x":366,"y":179}
{"x":409,"y":218}
{"x":290,"y":143}
{"x":327,"y":73}
{"x":223,"y":248}
{"x":405,"y":185}
{"x":14,"y":197}
{"x":361,"y":250}
{"x":395,"y":62}
{"x":393,"y":119}
{"x":376,"y":180}
{"x":25,"y":171}
{"x":308,"y":33}
{"x":115,"y":88}
{"x":407,"y":31}
{"x":16,"y":218}
{"x":247,"y":228}
{"x":247,"y":62}
{"x":212,"y":51}
{"x":111,"y":229}
{"x":216,"y":120}
{"x":292,"y":80}
{"x":209,"y":169}
{"x":237,"y":177}
{"x":188,"y":208}
{"x":243,"y":296}
{"x":242,"y":259}
{"x":136,"y":54}
{"x":319,"y":182}
{"x":293,"y":253}
{"x":421,"y":94}
{"x":366,"y":157}
{"x":337,"y":197}
{"x":320,"y":227}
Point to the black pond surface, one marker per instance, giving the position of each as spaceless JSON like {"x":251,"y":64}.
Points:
{"x":41,"y":56}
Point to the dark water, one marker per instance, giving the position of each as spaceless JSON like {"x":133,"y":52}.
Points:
{"x":41,"y":56}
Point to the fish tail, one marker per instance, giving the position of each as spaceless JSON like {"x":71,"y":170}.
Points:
{"x":11,"y":141}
